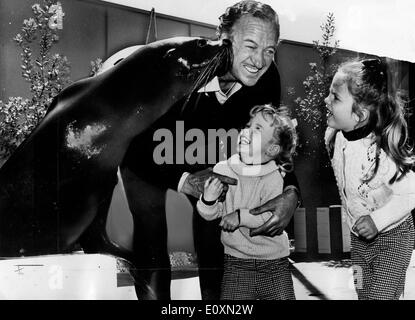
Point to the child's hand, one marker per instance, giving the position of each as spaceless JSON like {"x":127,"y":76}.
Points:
{"x":212,"y":189}
{"x":365,"y":227}
{"x":231,"y":221}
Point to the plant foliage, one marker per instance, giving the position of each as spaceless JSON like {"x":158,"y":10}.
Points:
{"x":46,"y":72}
{"x":311,"y":108}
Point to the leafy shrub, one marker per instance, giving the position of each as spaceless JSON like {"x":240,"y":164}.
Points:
{"x":311,"y":108}
{"x":47,"y":73}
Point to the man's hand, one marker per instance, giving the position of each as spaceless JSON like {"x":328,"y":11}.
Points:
{"x":365,"y":227}
{"x":282,"y":208}
{"x":195,"y":182}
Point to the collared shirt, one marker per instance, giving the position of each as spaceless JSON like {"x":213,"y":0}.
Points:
{"x":213,"y":86}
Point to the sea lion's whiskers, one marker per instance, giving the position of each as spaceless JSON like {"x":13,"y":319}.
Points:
{"x":206,"y":74}
{"x":210,"y":69}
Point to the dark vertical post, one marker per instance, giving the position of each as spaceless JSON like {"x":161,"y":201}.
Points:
{"x":411,"y":106}
{"x":336,"y":235}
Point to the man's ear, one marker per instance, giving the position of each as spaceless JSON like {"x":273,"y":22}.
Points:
{"x":225,"y":35}
{"x":273,"y":150}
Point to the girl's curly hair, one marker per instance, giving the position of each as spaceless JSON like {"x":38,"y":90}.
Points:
{"x":371,"y":84}
{"x":284,"y":134}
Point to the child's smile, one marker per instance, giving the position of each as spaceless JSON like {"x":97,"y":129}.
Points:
{"x":339,"y":104}
{"x":255,"y":140}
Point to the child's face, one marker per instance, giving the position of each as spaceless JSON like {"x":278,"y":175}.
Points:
{"x":256,"y":141}
{"x":339,"y":103}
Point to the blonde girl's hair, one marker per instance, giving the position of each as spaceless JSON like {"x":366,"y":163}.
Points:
{"x":284,"y":133}
{"x":370,"y":83}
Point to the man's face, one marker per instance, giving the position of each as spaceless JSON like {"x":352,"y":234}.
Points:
{"x":254,"y":46}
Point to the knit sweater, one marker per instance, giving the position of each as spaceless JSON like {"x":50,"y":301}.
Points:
{"x":387,"y":204}
{"x":256,"y":185}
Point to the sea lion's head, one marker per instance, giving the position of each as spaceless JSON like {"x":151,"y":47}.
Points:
{"x":200,"y":59}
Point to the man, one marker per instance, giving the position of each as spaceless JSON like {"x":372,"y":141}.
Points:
{"x":224,"y":103}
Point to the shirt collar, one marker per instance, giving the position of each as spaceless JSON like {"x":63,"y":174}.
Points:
{"x":358,"y":133}
{"x":257,"y":170}
{"x":213,"y":86}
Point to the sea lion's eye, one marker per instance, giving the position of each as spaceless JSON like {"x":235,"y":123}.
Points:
{"x":169,"y":53}
{"x":227,"y":42}
{"x":202,"y":43}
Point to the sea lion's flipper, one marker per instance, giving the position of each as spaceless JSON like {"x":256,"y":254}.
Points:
{"x":95,"y":238}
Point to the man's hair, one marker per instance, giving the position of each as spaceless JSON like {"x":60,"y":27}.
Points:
{"x":284,"y":133}
{"x":253,"y":8}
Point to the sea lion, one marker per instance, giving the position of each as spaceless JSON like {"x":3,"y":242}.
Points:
{"x":53,"y":185}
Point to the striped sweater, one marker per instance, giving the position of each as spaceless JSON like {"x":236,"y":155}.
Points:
{"x":256,"y":185}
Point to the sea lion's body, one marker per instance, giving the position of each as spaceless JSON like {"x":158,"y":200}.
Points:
{"x":53,"y":185}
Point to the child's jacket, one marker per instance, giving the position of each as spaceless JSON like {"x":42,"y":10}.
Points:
{"x":387,"y":204}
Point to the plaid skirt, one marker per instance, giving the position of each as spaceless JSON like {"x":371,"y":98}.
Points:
{"x":380,"y":265}
{"x":253,"y":279}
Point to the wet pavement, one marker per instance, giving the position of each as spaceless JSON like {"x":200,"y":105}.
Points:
{"x":100,"y":277}
{"x":333,"y":280}
{"x":327,"y":279}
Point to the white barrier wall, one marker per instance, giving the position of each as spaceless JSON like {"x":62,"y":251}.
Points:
{"x":62,"y":277}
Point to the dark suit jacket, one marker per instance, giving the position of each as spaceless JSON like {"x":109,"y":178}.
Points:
{"x":205,"y":113}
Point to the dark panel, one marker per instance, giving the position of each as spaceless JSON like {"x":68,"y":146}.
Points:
{"x":171,"y":28}
{"x":83,"y":36}
{"x":12,"y":14}
{"x":336,"y":239}
{"x":201,"y":31}
{"x":126,"y":28}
